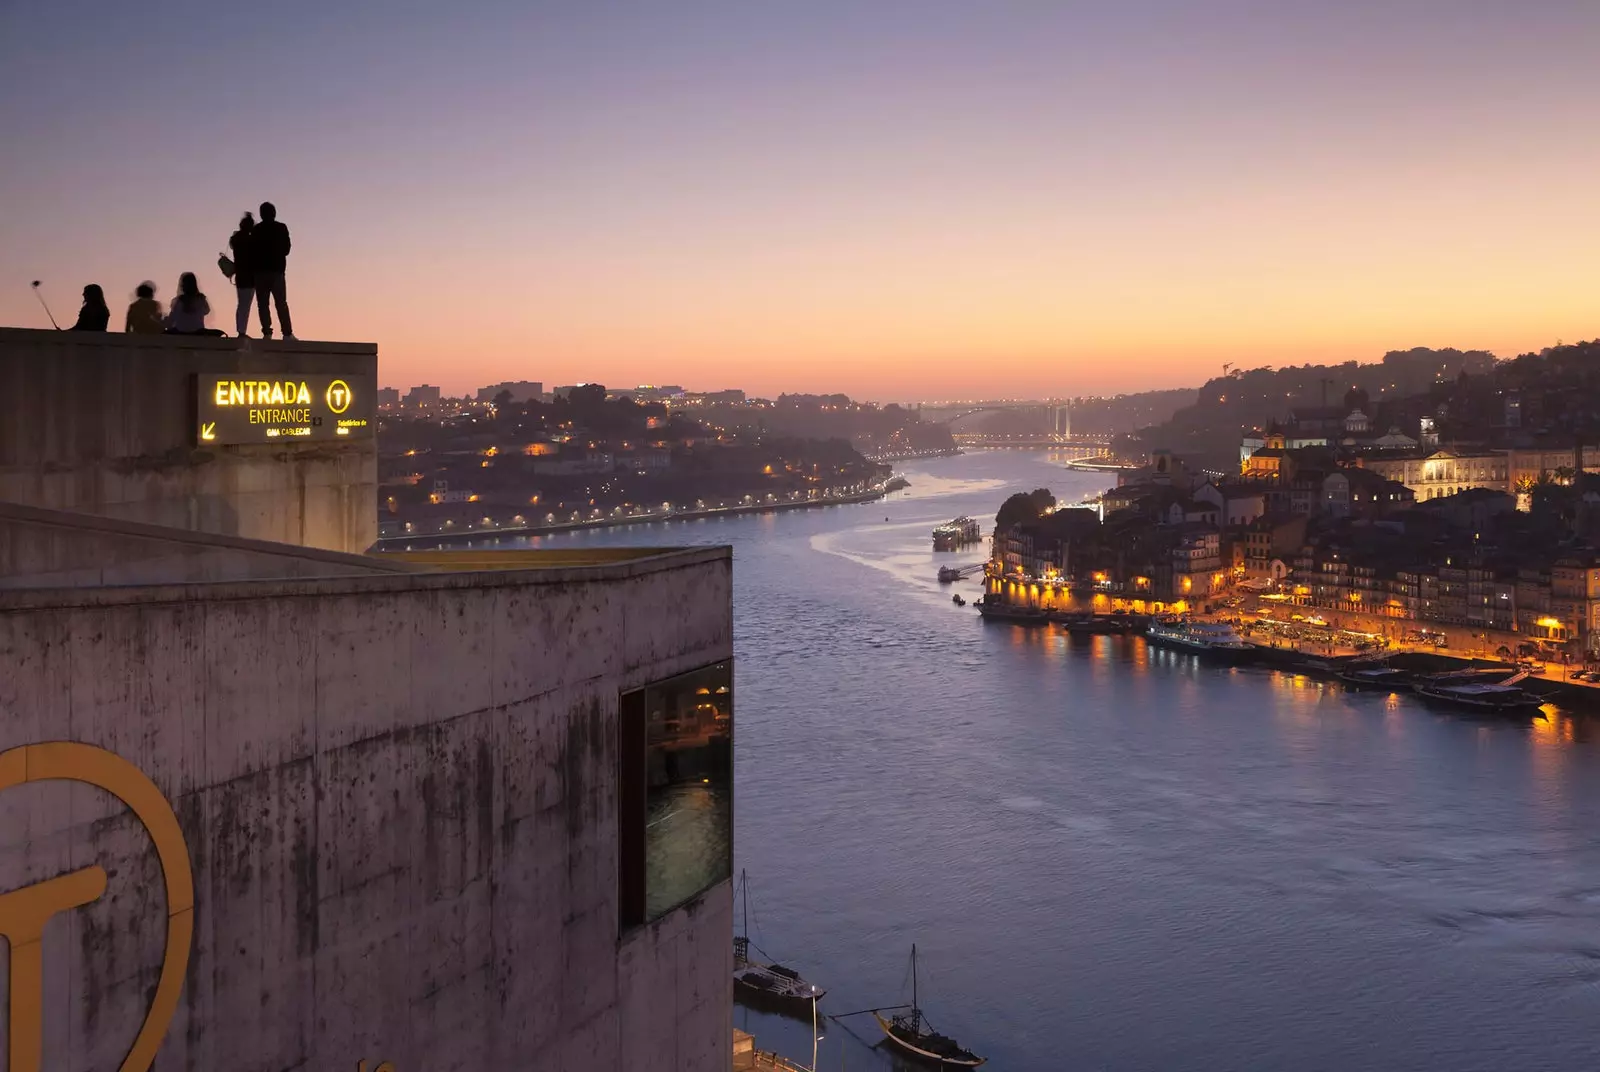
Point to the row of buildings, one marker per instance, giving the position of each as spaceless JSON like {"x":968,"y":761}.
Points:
{"x":427,"y":398}
{"x":1495,"y":541}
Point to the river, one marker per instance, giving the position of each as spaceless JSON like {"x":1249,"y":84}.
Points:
{"x":1112,"y":857}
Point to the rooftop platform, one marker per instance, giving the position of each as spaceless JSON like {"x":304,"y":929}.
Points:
{"x":43,"y":550}
{"x":125,"y":426}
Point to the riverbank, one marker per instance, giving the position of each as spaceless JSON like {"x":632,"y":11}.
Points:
{"x":449,"y":531}
{"x":1317,"y":655}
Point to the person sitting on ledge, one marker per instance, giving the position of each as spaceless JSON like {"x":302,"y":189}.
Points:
{"x":189,"y":309}
{"x":95,"y":314}
{"x":144,"y":315}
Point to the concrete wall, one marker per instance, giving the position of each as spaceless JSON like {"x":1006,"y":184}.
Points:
{"x":56,"y":549}
{"x":104,"y":424}
{"x":399,"y":796}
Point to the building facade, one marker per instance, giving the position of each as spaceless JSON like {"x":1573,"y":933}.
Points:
{"x":272,"y":806}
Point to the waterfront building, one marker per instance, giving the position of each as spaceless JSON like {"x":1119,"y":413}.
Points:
{"x":431,"y":810}
{"x":1269,"y":542}
{"x":1197,"y":564}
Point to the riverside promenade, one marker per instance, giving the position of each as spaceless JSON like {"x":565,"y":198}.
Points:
{"x":393,"y":533}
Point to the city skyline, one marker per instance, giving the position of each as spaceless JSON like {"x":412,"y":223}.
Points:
{"x":899,"y":201}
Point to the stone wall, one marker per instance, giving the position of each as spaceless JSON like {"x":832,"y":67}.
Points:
{"x":398,"y":793}
{"x":105,"y":424}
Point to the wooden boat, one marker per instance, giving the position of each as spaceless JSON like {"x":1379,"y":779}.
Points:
{"x":911,"y":1033}
{"x":773,"y":986}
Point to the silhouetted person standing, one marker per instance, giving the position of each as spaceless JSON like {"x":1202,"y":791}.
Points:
{"x":269,"y":248}
{"x":244,"y":273}
{"x":95,"y":314}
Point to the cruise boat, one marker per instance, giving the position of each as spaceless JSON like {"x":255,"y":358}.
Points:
{"x":953,"y":535}
{"x":1212,"y":639}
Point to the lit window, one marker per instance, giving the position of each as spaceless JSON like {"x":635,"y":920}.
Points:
{"x":675,"y":792}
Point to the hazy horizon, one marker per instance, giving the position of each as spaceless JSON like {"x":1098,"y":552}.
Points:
{"x":912,"y":198}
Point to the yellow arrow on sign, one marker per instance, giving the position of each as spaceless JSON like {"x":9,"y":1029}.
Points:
{"x":208,"y":430}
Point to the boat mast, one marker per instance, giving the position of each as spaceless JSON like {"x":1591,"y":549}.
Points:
{"x":744,"y":885}
{"x":916,"y":1010}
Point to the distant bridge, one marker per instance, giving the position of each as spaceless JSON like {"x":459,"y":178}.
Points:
{"x":1079,"y":446}
{"x":1053,"y":416}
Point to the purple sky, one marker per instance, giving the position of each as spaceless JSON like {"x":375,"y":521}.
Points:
{"x":895,"y":198}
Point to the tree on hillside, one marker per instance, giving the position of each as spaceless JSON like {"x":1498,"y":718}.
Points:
{"x":1024,"y":506}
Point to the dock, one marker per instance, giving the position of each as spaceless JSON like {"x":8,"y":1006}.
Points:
{"x":746,"y":1058}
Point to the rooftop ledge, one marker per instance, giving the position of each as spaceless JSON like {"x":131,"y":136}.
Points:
{"x":123,"y":340}
{"x":61,"y":559}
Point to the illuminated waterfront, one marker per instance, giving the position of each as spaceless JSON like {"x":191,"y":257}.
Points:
{"x":1112,"y":857}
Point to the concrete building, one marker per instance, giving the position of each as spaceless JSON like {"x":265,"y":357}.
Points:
{"x":423,"y":394}
{"x":388,"y":397}
{"x":269,"y":806}
{"x":118,"y":426}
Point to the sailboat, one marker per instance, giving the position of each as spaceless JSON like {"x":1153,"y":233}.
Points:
{"x":912,"y":1033}
{"x":773,"y":985}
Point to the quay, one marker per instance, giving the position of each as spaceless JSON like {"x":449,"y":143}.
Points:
{"x":1101,"y":464}
{"x":746,"y":1058}
{"x":1321,"y":656}
{"x":389,"y":536}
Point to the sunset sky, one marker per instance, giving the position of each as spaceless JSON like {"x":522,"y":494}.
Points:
{"x":893,"y":198}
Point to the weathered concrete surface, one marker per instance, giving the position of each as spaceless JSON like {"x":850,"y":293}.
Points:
{"x":398,"y":792}
{"x":105,"y":424}
{"x":57,"y":549}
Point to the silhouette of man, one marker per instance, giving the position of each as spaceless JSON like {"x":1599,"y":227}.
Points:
{"x":269,"y":247}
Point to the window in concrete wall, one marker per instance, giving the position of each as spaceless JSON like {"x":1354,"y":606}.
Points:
{"x":675,"y":791}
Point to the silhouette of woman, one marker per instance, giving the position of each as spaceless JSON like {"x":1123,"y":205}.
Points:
{"x":95,"y":314}
{"x":189,"y":309}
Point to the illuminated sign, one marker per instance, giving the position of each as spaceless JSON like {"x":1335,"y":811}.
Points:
{"x":25,"y":912}
{"x":282,"y":409}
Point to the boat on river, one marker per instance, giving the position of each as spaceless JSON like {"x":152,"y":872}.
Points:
{"x":911,"y":1033}
{"x":957,"y":534}
{"x":1215,"y":640}
{"x":765,"y":984}
{"x":1095,"y":623}
{"x":1386,"y":678}
{"x":1505,"y":697}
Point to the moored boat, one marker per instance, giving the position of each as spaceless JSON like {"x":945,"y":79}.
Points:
{"x":911,"y":1033}
{"x":1376,"y":677}
{"x":771,"y":985}
{"x":1505,"y":697}
{"x":1215,"y":640}
{"x":1094,"y":623}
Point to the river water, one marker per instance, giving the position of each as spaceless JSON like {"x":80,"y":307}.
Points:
{"x":1113,"y":857}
